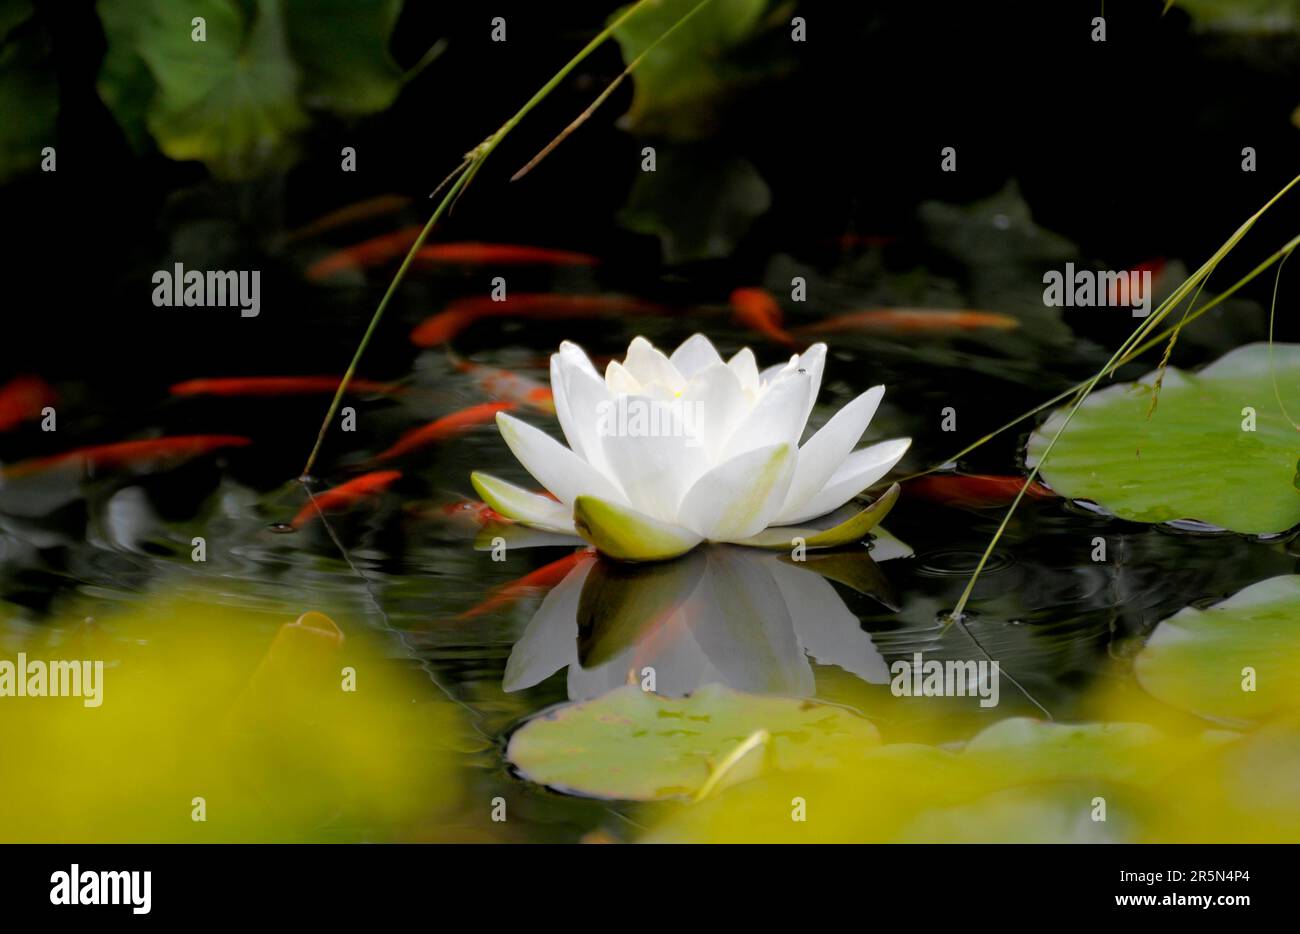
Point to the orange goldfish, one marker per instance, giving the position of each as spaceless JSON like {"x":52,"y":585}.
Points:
{"x":124,"y":454}
{"x":757,"y":309}
{"x":508,"y":386}
{"x":369,"y":253}
{"x":544,"y":578}
{"x":914,"y":321}
{"x":361,"y":211}
{"x":498,"y":254}
{"x":461,"y":313}
{"x":276,"y":386}
{"x":978,"y":491}
{"x":345,"y":495}
{"x":443,"y":428}
{"x":23,"y":398}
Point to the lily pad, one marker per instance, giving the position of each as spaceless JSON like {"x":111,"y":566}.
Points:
{"x":1195,"y":660}
{"x":29,"y":93}
{"x":1218,"y":449}
{"x":632,"y":745}
{"x":698,"y":203}
{"x":342,"y":48}
{"x":680,"y":82}
{"x":1034,"y":750}
{"x":229,"y":101}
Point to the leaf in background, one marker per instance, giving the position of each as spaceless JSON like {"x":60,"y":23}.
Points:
{"x":1194,"y":659}
{"x":230,"y":101}
{"x":698,"y":203}
{"x":342,"y":48}
{"x":632,"y":745}
{"x":29,"y":93}
{"x":1251,"y":17}
{"x":1192,"y":459}
{"x":679,"y":83}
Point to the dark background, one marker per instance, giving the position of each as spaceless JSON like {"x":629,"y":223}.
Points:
{"x":1132,"y":148}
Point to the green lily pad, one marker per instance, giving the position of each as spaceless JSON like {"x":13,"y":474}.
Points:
{"x":230,"y":101}
{"x":633,"y":745}
{"x":1034,"y":750}
{"x":29,"y":92}
{"x":342,"y":48}
{"x":698,"y":203}
{"x":1195,"y":458}
{"x":1195,"y":659}
{"x":681,"y":81}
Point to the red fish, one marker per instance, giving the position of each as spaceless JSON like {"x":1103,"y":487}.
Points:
{"x":915,"y":321}
{"x":277,"y":386}
{"x":471,"y":514}
{"x":361,"y":211}
{"x":461,"y":313}
{"x":498,"y":254}
{"x":125,"y":454}
{"x":369,"y":253}
{"x":978,"y":491}
{"x":346,"y":495}
{"x":1129,"y":290}
{"x":544,"y":578}
{"x":449,"y":426}
{"x":23,"y":398}
{"x":757,"y":309}
{"x":508,"y":386}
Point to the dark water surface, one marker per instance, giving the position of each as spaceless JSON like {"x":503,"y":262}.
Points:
{"x":1060,"y":623}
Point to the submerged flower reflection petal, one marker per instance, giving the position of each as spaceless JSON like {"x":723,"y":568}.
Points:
{"x":665,"y":452}
{"x":727,"y":615}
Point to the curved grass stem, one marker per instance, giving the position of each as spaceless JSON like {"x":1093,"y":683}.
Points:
{"x":1133,"y":340}
{"x":463,"y":176}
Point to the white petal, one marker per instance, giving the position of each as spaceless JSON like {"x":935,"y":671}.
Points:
{"x":860,"y":470}
{"x":587,"y":396}
{"x":777,"y":417}
{"x":553,"y":465}
{"x":575,"y":354}
{"x":740,"y":496}
{"x":656,"y":465}
{"x":514,"y":502}
{"x":625,"y":534}
{"x":619,"y":380}
{"x":777,"y":370}
{"x":745,"y":367}
{"x":649,"y":365}
{"x":813,"y":360}
{"x":695,"y":353}
{"x":823,"y":453}
{"x":717,"y":404}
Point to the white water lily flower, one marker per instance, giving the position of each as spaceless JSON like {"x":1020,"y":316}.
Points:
{"x":666,"y":452}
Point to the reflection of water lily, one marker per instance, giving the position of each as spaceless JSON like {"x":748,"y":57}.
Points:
{"x":666,"y":452}
{"x":726,"y":615}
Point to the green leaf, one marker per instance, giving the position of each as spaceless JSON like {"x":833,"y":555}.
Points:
{"x":1034,"y":750}
{"x":230,"y":101}
{"x":680,"y":82}
{"x":342,"y":49}
{"x":29,"y":93}
{"x":1250,"y":17}
{"x":633,"y":745}
{"x":1196,"y":659}
{"x":698,"y":203}
{"x":1194,"y":458}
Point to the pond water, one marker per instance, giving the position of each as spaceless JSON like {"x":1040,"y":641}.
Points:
{"x":401,"y":570}
{"x":441,"y":637}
